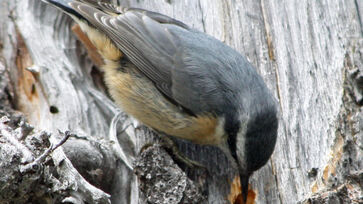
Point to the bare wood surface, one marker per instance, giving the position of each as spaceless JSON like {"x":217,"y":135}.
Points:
{"x":308,"y":52}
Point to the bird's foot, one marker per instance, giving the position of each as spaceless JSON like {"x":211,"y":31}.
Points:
{"x":178,"y":156}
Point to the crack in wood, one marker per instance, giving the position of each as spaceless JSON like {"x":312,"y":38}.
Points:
{"x":202,"y":13}
{"x":359,"y":16}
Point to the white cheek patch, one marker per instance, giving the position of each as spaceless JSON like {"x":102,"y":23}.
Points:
{"x":220,"y":134}
{"x":240,"y":148}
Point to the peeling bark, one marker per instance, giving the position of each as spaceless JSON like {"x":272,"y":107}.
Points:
{"x":34,"y":171}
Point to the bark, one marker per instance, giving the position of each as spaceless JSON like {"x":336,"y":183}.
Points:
{"x":310,"y":54}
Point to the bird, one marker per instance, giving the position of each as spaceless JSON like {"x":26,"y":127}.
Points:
{"x":181,"y":81}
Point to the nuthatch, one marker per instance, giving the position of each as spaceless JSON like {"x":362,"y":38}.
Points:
{"x":181,"y":82}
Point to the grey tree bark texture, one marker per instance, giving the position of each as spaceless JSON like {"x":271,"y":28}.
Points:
{"x":310,"y":54}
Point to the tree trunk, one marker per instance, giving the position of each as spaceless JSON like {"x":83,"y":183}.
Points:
{"x":310,"y":54}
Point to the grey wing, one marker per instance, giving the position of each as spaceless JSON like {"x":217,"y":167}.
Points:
{"x":147,"y":40}
{"x":111,"y":8}
{"x":103,"y":5}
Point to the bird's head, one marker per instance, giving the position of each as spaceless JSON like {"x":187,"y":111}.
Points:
{"x":251,"y":140}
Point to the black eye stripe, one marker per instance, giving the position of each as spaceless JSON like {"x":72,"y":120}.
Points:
{"x":232,"y":144}
{"x":232,"y":126}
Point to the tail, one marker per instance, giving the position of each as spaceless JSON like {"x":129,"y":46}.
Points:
{"x":65,"y":7}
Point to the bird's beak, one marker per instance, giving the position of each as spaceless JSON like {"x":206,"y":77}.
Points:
{"x":244,"y":185}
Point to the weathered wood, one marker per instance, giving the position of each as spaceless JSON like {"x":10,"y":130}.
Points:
{"x":308,"y":52}
{"x":299,"y":47}
{"x":29,"y":174}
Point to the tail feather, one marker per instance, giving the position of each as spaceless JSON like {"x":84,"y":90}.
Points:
{"x":64,"y":6}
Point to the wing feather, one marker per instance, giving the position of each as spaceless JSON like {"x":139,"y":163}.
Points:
{"x":173,"y":56}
